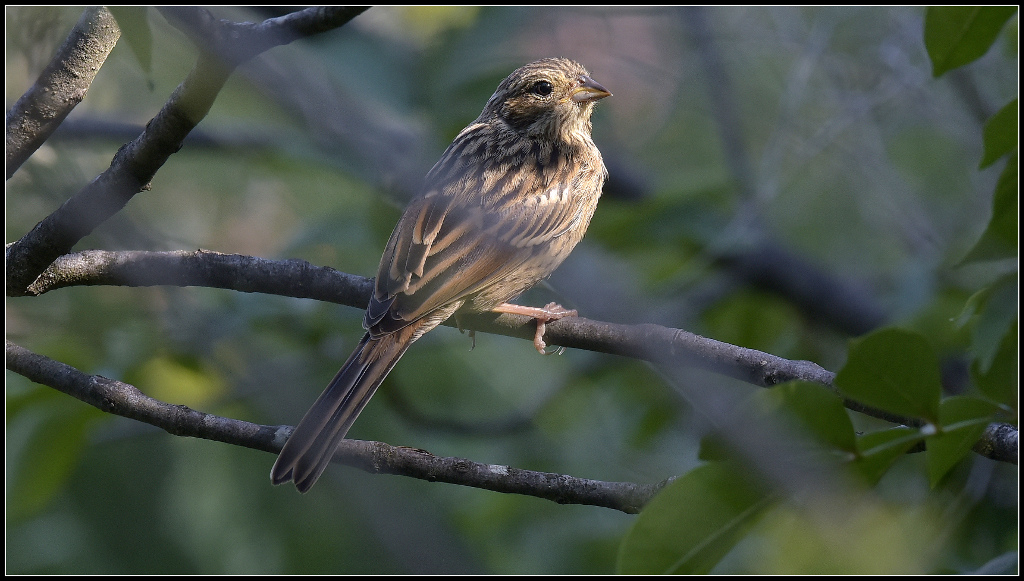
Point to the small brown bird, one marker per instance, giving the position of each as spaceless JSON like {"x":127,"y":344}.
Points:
{"x":507,"y":202}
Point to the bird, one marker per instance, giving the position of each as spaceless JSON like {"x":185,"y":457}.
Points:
{"x":504,"y":206}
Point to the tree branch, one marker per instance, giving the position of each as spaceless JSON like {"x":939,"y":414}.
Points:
{"x":126,"y":400}
{"x":137,"y":162}
{"x":224,"y":45}
{"x":237,"y":42}
{"x":61,"y":86}
{"x":298,"y":278}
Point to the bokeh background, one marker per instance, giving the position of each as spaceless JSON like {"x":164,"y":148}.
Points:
{"x":753,"y":151}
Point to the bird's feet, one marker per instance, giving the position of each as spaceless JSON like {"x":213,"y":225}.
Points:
{"x":550,"y":312}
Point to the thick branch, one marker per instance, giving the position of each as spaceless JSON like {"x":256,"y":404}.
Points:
{"x":237,"y":42}
{"x":131,"y":169}
{"x":61,"y":86}
{"x":137,"y":162}
{"x":290,"y":278}
{"x":123,"y":399}
{"x":298,"y":278}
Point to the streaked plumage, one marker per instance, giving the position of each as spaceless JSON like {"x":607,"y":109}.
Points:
{"x":507,"y":202}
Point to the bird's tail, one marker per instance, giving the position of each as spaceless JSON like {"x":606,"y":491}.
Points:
{"x":311,"y":446}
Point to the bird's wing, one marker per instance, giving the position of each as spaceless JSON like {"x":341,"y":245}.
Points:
{"x":474,"y":231}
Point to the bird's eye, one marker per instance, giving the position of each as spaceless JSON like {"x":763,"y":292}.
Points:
{"x":542,"y":88}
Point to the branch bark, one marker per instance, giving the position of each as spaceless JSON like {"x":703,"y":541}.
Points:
{"x":126,"y":400}
{"x":61,"y":86}
{"x":297,"y":278}
{"x":137,"y":162}
{"x":40,"y":262}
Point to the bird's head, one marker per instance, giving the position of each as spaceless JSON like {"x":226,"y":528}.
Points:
{"x":551,"y":98}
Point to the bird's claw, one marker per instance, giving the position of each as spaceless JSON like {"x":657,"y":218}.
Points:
{"x":550,"y":312}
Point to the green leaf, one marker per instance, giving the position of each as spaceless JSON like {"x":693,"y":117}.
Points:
{"x":997,"y":312}
{"x":878,"y":450}
{"x":818,"y":410}
{"x":999,"y":241}
{"x":957,"y":35}
{"x":962,"y":421}
{"x":895,"y":370}
{"x":972,"y":306}
{"x":999,"y":380}
{"x":807,"y":406}
{"x":714,"y":448}
{"x":1001,"y":134}
{"x":134,"y":23}
{"x":691,"y":524}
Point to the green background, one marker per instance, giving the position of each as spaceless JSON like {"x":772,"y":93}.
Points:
{"x":820,"y":131}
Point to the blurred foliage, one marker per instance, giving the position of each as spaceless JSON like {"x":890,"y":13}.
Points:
{"x":674,"y":535}
{"x":822,"y":130}
{"x":957,"y":35}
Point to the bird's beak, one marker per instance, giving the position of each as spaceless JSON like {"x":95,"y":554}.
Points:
{"x":589,"y":90}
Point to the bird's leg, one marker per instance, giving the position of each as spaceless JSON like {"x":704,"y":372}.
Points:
{"x":472,"y":333}
{"x":550,"y":312}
